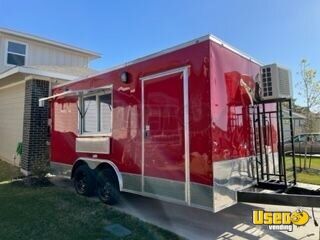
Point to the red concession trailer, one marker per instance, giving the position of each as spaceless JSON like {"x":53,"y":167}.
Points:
{"x":173,"y":125}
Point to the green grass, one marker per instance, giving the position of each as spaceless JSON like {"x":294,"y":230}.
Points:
{"x":307,"y":175}
{"x":28,"y":213}
{"x":315,"y":162}
{"x":53,"y":213}
{"x":7,"y":171}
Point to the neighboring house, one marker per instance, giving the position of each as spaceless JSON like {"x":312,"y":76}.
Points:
{"x":29,"y":66}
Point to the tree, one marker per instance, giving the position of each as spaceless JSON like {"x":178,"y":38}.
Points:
{"x":309,"y":90}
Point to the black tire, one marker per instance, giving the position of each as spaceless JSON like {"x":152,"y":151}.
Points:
{"x":84,"y":181}
{"x":108,"y":187}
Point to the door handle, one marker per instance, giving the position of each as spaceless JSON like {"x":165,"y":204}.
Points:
{"x":147,"y":131}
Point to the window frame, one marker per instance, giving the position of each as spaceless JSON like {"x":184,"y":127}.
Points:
{"x":7,"y":52}
{"x":81,"y":120}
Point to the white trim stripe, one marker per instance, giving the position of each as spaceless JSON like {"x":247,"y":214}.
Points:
{"x":92,"y":91}
{"x":186,"y":132}
{"x":142,"y":135}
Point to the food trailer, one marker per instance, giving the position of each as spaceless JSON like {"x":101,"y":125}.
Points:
{"x":178,"y":125}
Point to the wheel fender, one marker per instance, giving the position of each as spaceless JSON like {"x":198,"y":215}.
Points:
{"x":93,"y":163}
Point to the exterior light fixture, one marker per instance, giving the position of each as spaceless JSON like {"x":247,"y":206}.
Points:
{"x":124,"y":77}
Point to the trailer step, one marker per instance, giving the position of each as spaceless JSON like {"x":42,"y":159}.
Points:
{"x":275,"y":184}
{"x":293,"y":196}
{"x":272,"y":185}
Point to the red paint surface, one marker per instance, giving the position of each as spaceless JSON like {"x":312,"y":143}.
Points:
{"x":230,"y":126}
{"x":218,"y":114}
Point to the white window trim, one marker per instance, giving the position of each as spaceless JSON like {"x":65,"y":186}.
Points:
{"x":81,"y":120}
{"x":6,"y":53}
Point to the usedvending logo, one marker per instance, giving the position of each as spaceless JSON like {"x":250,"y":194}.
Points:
{"x":280,"y":221}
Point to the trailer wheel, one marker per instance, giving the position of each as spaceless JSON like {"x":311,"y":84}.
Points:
{"x":84,"y":181}
{"x":108,"y":187}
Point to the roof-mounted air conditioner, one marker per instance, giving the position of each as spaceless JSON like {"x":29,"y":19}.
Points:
{"x":275,"y":82}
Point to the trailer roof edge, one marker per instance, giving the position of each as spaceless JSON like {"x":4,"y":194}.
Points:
{"x":233,"y":49}
{"x":168,"y":50}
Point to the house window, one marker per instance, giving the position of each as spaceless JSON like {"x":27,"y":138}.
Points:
{"x":16,"y":53}
{"x":96,"y":113}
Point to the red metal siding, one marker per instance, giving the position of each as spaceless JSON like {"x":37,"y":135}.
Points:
{"x":126,"y":134}
{"x":231,"y":125}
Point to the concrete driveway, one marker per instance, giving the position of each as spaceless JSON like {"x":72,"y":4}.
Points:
{"x":232,"y":223}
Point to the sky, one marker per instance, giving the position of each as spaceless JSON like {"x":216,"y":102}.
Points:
{"x":281,"y":31}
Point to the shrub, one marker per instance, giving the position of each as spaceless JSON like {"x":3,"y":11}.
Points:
{"x":39,"y":170}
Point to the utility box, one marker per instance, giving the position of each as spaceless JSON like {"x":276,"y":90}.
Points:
{"x":275,"y":82}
